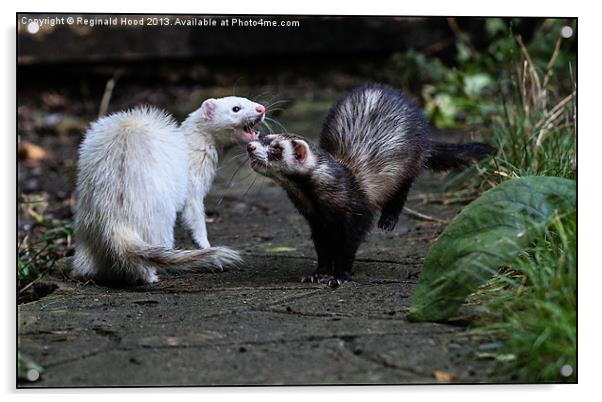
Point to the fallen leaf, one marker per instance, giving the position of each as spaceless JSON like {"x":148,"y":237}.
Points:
{"x":53,"y":100}
{"x":29,"y":152}
{"x":280,"y":249}
{"x":443,"y":376}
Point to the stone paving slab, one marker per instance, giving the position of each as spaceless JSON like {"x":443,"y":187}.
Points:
{"x":257,"y":324}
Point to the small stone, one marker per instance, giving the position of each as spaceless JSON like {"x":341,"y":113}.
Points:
{"x":33,"y":375}
{"x":566,"y":370}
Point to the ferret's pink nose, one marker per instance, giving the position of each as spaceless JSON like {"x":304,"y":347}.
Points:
{"x":251,"y":147}
{"x":260,"y":109}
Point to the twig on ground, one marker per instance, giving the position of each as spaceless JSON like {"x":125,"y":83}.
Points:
{"x":30,"y":284}
{"x":421,"y":216}
{"x":106,"y":97}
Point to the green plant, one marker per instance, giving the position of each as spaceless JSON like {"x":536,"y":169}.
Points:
{"x":465,"y":93}
{"x":450,"y":95}
{"x":536,"y":130}
{"x":487,"y":234}
{"x":527,"y":309}
{"x":38,"y":251}
{"x":531,"y":307}
{"x":25,"y":273}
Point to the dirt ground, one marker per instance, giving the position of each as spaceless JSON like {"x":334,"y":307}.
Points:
{"x":254,"y":325}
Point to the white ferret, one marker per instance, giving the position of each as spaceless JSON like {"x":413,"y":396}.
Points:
{"x":136,"y":170}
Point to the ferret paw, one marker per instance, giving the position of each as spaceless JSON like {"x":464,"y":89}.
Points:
{"x":316,"y":278}
{"x":339,"y":279}
{"x":326,"y":279}
{"x":149,"y":277}
{"x":153,"y":278}
{"x":217,"y":265}
{"x":387,"y":222}
{"x":202,"y":243}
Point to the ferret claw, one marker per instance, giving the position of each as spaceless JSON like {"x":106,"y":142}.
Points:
{"x":218,"y":266}
{"x":324,"y":279}
{"x":335,"y":283}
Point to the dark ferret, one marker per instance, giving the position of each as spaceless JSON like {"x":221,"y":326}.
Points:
{"x":374,"y":143}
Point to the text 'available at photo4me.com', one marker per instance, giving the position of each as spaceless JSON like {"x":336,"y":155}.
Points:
{"x":33,"y":24}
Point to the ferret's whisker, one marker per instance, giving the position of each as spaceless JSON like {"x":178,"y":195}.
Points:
{"x":252,"y":183}
{"x":235,"y":157}
{"x":234,"y":87}
{"x":235,"y":173}
{"x":229,"y":183}
{"x":258,"y":96}
{"x":276,"y":103}
{"x":244,"y":178}
{"x":277,"y":122}
{"x":265,"y":123}
{"x":260,"y":187}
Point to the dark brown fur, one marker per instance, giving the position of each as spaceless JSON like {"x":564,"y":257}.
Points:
{"x":374,"y":143}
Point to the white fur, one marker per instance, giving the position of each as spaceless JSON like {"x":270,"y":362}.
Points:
{"x":136,"y":170}
{"x":288,"y":163}
{"x":206,"y":137}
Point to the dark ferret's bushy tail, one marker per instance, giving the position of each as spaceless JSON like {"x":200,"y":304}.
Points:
{"x":454,"y":156}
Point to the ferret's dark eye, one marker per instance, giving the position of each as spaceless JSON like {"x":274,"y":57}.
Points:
{"x":235,"y":109}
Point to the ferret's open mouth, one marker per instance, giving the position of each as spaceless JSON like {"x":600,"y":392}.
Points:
{"x":256,"y":163}
{"x":247,"y":130}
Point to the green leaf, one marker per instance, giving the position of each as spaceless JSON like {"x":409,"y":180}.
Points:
{"x":474,"y":84}
{"x":487,"y":234}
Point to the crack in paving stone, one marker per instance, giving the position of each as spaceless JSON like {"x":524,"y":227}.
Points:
{"x":365,"y":260}
{"x":379,"y":362}
{"x":107,"y":332}
{"x":232,"y":289}
{"x":309,"y":338}
{"x":148,"y":302}
{"x":375,"y":282}
{"x":375,"y":358}
{"x":292,"y":298}
{"x":77,"y":358}
{"x":299,"y":313}
{"x":47,"y":332}
{"x":326,"y":315}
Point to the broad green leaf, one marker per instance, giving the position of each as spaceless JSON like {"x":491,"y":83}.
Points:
{"x":487,"y":234}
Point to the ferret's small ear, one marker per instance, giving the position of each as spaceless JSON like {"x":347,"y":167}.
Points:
{"x":300,"y":150}
{"x":207,"y":108}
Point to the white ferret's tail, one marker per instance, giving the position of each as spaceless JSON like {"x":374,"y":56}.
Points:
{"x":136,"y":251}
